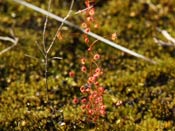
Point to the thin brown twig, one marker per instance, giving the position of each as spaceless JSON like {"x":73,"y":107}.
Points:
{"x":62,"y":23}
{"x":39,"y":47}
{"x":45,"y":52}
{"x":45,"y":26}
{"x":83,"y":10}
{"x":31,"y":57}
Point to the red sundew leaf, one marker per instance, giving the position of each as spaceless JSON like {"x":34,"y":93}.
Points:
{"x":71,"y":74}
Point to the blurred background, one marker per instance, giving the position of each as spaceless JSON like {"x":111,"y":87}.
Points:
{"x":139,"y":95}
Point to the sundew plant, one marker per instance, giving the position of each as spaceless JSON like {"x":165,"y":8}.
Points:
{"x":87,"y":65}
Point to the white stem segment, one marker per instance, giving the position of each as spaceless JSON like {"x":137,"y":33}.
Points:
{"x":167,"y":35}
{"x":14,"y":41}
{"x":102,"y":39}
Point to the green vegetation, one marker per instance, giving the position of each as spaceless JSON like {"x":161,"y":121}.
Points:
{"x":146,"y":91}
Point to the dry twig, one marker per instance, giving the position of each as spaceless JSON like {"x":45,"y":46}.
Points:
{"x":167,"y":35}
{"x":162,"y":43}
{"x":12,"y":40}
{"x":106,"y":41}
{"x":62,"y":23}
{"x":170,"y":42}
{"x":44,"y":50}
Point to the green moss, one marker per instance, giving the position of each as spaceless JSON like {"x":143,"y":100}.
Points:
{"x":145,"y":90}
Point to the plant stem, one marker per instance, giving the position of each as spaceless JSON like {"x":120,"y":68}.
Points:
{"x":46,"y":76}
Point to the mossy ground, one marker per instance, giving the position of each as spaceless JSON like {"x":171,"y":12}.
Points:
{"x":146,"y":90}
